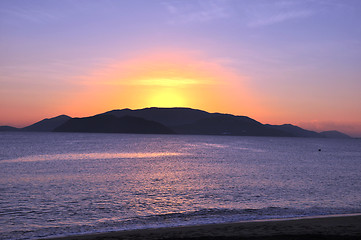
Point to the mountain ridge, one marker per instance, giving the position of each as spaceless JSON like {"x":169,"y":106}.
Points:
{"x":179,"y":120}
{"x":47,"y":124}
{"x":166,"y":116}
{"x":113,"y":124}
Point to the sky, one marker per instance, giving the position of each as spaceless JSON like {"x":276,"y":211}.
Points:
{"x":279,"y":61}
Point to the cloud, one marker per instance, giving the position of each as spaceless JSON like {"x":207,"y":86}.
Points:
{"x":253,"y":14}
{"x":196,"y":10}
{"x":280,"y":17}
{"x":265,"y":13}
{"x":29,"y":14}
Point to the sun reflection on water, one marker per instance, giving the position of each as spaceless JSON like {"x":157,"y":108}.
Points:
{"x":90,"y":156}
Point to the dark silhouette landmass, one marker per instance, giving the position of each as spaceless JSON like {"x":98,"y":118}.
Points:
{"x":222,"y":124}
{"x":8,"y":129}
{"x":295,"y":131}
{"x":300,"y":132}
{"x":334,"y":134}
{"x":171,"y":120}
{"x":112,"y":124}
{"x":47,"y":125}
{"x":194,"y":121}
{"x":167,"y":116}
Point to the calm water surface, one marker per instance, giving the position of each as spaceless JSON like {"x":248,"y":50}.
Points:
{"x":55,"y":184}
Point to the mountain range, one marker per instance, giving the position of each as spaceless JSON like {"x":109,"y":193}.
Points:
{"x":170,"y":121}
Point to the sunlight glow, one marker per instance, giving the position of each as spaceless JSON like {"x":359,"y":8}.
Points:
{"x":168,"y":82}
{"x":159,"y":78}
{"x":167,"y":97}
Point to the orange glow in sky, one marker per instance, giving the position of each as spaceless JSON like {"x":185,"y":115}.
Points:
{"x":264,"y":59}
{"x":172,"y":78}
{"x":163,"y":79}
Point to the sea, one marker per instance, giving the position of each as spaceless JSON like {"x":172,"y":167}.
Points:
{"x":62,"y":184}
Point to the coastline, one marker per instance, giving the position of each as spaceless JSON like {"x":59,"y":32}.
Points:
{"x":320,"y":227}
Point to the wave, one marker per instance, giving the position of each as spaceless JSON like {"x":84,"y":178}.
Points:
{"x":198,"y":217}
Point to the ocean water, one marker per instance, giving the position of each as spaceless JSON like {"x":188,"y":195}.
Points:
{"x":58,"y":184}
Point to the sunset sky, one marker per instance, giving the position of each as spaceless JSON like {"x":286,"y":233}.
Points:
{"x":278,"y":62}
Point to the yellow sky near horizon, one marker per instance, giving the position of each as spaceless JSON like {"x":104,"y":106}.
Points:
{"x":163,"y":79}
{"x":174,"y":78}
{"x":275,"y":61}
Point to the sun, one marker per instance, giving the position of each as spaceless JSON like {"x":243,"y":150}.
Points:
{"x":167,"y":97}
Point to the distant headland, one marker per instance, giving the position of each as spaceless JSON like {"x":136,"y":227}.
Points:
{"x":170,"y":121}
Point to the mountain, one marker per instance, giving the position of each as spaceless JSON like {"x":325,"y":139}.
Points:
{"x":225,"y":124}
{"x":176,"y":120}
{"x":334,"y":134}
{"x":295,"y":131}
{"x":47,"y":125}
{"x":300,"y":132}
{"x":165,"y":116}
{"x":8,"y":129}
{"x":193,"y":121}
{"x":172,"y":120}
{"x":112,"y":124}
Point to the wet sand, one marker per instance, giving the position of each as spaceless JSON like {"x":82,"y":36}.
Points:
{"x":332,"y":227}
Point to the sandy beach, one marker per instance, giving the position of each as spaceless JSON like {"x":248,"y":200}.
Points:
{"x":331,"y":227}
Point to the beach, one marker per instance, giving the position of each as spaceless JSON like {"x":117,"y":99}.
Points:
{"x":330,"y":227}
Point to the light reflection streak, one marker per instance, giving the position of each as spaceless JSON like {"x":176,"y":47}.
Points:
{"x":90,"y":156}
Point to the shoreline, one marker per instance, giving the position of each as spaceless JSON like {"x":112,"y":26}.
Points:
{"x":319,"y":227}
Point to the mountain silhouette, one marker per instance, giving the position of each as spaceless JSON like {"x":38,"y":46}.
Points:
{"x":47,"y":125}
{"x":334,"y":134}
{"x":8,"y":129}
{"x":171,"y":120}
{"x":295,"y":131}
{"x":224,"y":124}
{"x":194,"y":121}
{"x":167,"y":116}
{"x":113,"y":124}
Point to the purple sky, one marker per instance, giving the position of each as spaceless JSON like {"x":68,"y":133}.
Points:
{"x":298,"y":61}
